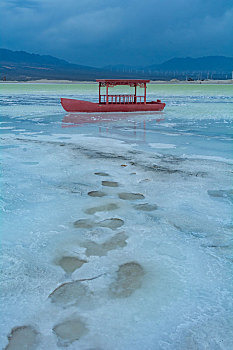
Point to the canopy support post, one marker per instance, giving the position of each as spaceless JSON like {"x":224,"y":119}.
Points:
{"x":107,"y":93}
{"x":135,"y":94}
{"x":99,"y":93}
{"x":144,"y":93}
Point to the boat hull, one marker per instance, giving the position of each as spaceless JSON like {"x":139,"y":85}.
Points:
{"x":71,"y":105}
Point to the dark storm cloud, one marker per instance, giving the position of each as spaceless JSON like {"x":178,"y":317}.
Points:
{"x":99,"y":32}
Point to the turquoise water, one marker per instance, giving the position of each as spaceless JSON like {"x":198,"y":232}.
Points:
{"x":176,"y":238}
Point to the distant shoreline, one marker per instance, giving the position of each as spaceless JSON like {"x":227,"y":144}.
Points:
{"x":172,"y":82}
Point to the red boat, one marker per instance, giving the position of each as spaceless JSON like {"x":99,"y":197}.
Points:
{"x":115,"y":103}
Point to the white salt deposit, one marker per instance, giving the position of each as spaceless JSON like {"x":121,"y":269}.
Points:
{"x":162,"y":145}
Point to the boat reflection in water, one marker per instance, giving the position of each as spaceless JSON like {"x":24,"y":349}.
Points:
{"x":78,"y":119}
{"x":138,"y":120}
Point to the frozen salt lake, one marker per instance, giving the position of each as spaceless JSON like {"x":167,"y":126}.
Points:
{"x":116,"y":231}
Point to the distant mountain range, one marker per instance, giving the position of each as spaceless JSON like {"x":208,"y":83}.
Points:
{"x":21,"y":65}
{"x":220,"y":64}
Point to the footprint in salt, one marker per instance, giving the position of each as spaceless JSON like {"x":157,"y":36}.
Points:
{"x":110,"y":183}
{"x":146,"y":207}
{"x":24,"y":337}
{"x":226,"y":194}
{"x":130,"y":196}
{"x":129,"y":278}
{"x":105,"y":207}
{"x":84,"y":223}
{"x":101,"y":174}
{"x":96,"y":194}
{"x":70,"y":263}
{"x":95,"y":249}
{"x":112,"y":223}
{"x":144,"y":180}
{"x":70,"y":293}
{"x":70,"y":331}
{"x":117,"y":241}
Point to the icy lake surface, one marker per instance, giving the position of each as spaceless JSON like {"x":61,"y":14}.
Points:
{"x":116,"y":230}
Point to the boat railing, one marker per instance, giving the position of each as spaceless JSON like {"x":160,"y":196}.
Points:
{"x":121,"y":99}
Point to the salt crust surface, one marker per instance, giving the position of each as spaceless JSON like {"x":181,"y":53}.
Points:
{"x":182,"y":298}
{"x":162,"y":288}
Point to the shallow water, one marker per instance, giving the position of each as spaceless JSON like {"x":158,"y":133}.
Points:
{"x":172,"y":226}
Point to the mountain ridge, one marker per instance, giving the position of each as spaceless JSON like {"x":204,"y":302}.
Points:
{"x":21,"y":65}
{"x":205,"y":63}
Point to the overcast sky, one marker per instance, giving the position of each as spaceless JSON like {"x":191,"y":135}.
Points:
{"x":103,"y":32}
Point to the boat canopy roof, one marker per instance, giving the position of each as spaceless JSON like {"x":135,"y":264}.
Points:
{"x":114,"y":82}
